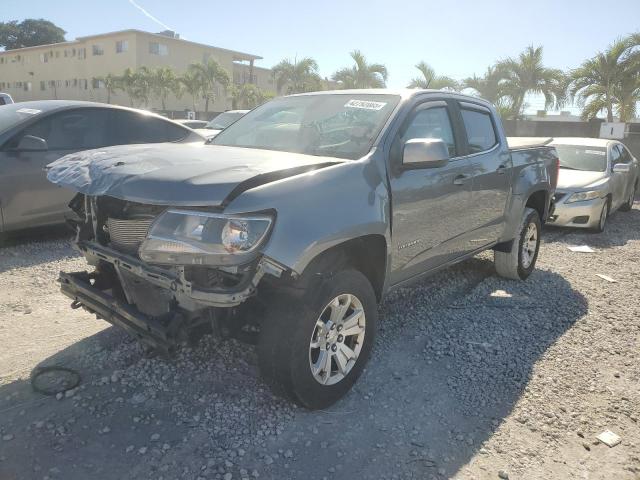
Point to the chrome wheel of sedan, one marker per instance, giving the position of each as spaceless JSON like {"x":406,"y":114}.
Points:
{"x":337,"y":339}
{"x":529,"y":245}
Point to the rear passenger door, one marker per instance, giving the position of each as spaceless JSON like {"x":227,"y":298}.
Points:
{"x":491,"y":173}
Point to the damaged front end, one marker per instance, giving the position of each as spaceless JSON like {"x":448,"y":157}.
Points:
{"x":164,"y":273}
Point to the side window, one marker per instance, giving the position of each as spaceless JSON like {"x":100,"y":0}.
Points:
{"x":625,"y":156}
{"x":481,"y":135}
{"x":131,"y":127}
{"x":432,"y":123}
{"x":80,"y":129}
{"x":615,"y":155}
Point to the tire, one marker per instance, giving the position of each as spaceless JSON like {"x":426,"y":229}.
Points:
{"x":604,"y":215}
{"x":285,"y":350}
{"x":628,"y":205}
{"x":515,"y":264}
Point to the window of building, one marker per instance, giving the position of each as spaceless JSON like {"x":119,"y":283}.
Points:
{"x":122,"y":46}
{"x":43,"y":85}
{"x":82,"y":53}
{"x":57,"y":53}
{"x":480,"y":132}
{"x":44,"y":57}
{"x":1,"y":59}
{"x":27,"y":86}
{"x":97,"y":83}
{"x":97,"y":49}
{"x":156,"y":48}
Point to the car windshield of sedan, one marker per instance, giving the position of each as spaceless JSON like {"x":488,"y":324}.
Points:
{"x":335,"y":125}
{"x":223,"y":120}
{"x":580,"y":157}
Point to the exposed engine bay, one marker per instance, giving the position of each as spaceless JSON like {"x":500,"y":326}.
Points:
{"x":160,"y":304}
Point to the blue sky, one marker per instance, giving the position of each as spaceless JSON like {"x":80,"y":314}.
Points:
{"x":457,"y":37}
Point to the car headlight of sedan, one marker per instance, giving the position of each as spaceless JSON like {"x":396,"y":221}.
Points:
{"x":189,"y":237}
{"x":584,"y":196}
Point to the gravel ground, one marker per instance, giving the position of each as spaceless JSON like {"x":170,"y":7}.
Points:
{"x":472,"y":377}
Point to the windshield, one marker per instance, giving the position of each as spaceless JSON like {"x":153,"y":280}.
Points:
{"x":580,"y":157}
{"x":223,"y":120}
{"x":333,"y":125}
{"x":12,"y":114}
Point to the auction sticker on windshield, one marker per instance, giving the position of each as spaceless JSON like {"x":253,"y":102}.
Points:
{"x":29,"y":111}
{"x":365,"y":104}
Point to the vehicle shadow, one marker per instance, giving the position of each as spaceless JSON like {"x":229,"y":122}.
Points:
{"x":616,"y":234}
{"x":34,"y":246}
{"x":453,"y":357}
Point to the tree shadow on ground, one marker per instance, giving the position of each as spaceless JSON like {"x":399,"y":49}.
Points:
{"x":451,"y":360}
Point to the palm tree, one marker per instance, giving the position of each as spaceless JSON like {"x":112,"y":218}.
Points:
{"x":627,"y":94}
{"x":163,"y":82}
{"x":127,"y":83}
{"x":297,"y":76}
{"x":192,"y":84}
{"x":111,"y":84}
{"x":211,"y":74}
{"x":362,"y":74}
{"x":491,"y":87}
{"x":248,"y":96}
{"x":527,"y":74}
{"x":143,"y":81}
{"x":608,"y":80}
{"x":429,"y":79}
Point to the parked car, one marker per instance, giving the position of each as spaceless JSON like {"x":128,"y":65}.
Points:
{"x":296,"y":225}
{"x":33,"y":134}
{"x":5,"y":99}
{"x":597,"y":177}
{"x":192,"y":123}
{"x":220,"y":122}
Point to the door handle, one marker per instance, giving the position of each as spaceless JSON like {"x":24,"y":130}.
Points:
{"x":460,"y":180}
{"x":501,"y":169}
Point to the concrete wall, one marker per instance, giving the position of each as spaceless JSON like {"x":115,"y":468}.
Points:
{"x":527,"y":128}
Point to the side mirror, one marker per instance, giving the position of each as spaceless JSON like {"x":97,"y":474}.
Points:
{"x":32,"y":144}
{"x":621,"y":168}
{"x":425,"y":153}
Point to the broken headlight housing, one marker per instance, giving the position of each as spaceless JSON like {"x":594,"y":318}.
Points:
{"x":190,"y":237}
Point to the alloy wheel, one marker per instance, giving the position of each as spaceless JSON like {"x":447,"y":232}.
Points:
{"x":337,"y":339}
{"x":529,"y":245}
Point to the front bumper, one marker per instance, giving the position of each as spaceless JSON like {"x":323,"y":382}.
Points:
{"x":576,"y":214}
{"x":106,"y":294}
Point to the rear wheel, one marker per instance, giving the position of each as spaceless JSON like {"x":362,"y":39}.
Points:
{"x":313,"y":349}
{"x":521,"y":260}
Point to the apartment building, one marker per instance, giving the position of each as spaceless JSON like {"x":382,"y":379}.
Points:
{"x":68,"y":70}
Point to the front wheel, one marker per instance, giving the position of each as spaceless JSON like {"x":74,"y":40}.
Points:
{"x":313,"y":349}
{"x":602,"y":221}
{"x":521,"y":260}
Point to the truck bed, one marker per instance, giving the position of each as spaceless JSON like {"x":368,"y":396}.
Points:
{"x":519,"y":143}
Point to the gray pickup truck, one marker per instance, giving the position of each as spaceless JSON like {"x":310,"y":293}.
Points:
{"x":293,"y":223}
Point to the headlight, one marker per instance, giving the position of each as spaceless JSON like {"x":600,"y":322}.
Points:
{"x":584,"y":196}
{"x":187,"y":237}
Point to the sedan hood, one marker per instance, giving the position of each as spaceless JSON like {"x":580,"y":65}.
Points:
{"x":569,"y":179}
{"x":177,"y":174}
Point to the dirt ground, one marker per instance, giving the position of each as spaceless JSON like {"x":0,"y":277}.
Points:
{"x":472,"y":377}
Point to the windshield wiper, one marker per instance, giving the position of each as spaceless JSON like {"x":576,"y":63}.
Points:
{"x":571,"y":168}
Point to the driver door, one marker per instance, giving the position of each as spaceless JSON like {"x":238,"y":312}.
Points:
{"x":430,"y":206}
{"x":27,"y":198}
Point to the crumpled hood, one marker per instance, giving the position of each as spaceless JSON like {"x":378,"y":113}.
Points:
{"x":177,"y":174}
{"x":569,"y":179}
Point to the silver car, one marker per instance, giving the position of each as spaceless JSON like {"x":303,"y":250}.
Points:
{"x":597,"y":177}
